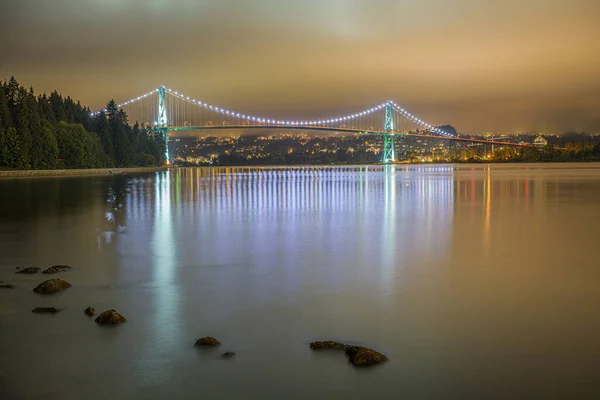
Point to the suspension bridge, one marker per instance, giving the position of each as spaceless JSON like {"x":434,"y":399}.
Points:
{"x":166,"y":110}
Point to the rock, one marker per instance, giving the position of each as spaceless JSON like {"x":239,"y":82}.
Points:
{"x":110,"y":317}
{"x":56,"y":268}
{"x":207,"y":341}
{"x":328,"y":344}
{"x":18,"y":267}
{"x":89,"y":311}
{"x":8,"y":287}
{"x":228,"y":354}
{"x":363,"y":356}
{"x":357,"y":355}
{"x":40,"y":310}
{"x":29,"y":271}
{"x":51,"y":286}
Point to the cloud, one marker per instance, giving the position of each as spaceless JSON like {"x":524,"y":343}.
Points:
{"x":319,"y":57}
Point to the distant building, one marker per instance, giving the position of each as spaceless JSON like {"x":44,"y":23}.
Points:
{"x":540,"y":141}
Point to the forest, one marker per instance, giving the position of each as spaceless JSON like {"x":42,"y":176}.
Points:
{"x":56,"y":132}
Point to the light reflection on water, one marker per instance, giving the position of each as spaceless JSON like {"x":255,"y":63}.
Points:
{"x":473,"y":279}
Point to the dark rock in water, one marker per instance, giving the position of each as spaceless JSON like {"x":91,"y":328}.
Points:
{"x":328,"y":344}
{"x":30,"y":270}
{"x":228,"y":354}
{"x":363,"y":356}
{"x":89,"y":311}
{"x":357,"y":355}
{"x":51,"y":286}
{"x":207,"y":341}
{"x":8,"y":287}
{"x":40,"y":310}
{"x":110,"y":317}
{"x":56,"y":268}
{"x":18,"y":267}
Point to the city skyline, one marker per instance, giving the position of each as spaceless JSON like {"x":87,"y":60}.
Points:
{"x":480,"y":67}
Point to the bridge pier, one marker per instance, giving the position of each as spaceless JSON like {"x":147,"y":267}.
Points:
{"x":163,"y":120}
{"x":164,"y":132}
{"x":389,"y":146}
{"x":389,"y":149}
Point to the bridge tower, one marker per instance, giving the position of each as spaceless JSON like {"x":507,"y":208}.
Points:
{"x":389,"y":151}
{"x":162,"y":119}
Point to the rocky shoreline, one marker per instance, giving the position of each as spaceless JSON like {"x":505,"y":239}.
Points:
{"x":10,"y":174}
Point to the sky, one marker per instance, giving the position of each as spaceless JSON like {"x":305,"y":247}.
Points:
{"x":482,"y":66}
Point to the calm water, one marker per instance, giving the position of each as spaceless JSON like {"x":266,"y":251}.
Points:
{"x":477,"y":282}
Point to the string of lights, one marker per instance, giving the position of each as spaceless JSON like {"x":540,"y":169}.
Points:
{"x":275,"y":121}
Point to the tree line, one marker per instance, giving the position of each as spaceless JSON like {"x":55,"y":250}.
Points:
{"x":52,"y":131}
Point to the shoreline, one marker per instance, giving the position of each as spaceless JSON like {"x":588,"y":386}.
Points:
{"x":53,"y":173}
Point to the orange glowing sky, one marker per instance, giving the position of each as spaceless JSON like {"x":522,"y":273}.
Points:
{"x":511,"y":65}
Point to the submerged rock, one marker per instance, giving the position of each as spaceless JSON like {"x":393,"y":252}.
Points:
{"x":89,"y":311}
{"x":40,"y":310}
{"x":328,"y":344}
{"x":207,"y":341}
{"x":30,"y":270}
{"x":363,"y":356}
{"x":357,"y":355}
{"x":8,"y":287}
{"x":110,"y":317}
{"x":228,"y":354}
{"x":51,"y":286}
{"x":56,"y":268}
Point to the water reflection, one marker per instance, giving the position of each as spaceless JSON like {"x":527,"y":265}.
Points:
{"x":454,"y":271}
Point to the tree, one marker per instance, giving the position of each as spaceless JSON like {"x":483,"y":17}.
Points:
{"x":22,"y":124}
{"x":10,"y":148}
{"x":5,"y":114}
{"x":47,"y":141}
{"x":37,"y":151}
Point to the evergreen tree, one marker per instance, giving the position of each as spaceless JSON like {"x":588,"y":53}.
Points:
{"x":47,"y":141}
{"x":5,"y":115}
{"x":12,"y":96}
{"x":3,"y":161}
{"x":22,"y":125}
{"x":10,"y":146}
{"x":37,"y":151}
{"x":45,"y":109}
{"x":56,"y":103}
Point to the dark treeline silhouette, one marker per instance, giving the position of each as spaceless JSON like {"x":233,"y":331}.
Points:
{"x":52,"y":131}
